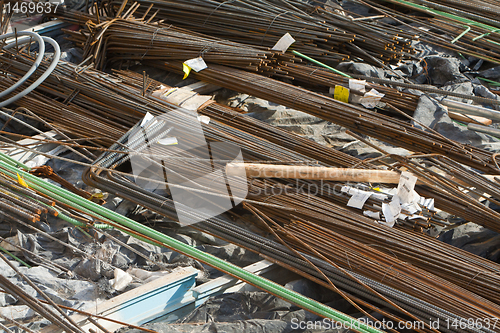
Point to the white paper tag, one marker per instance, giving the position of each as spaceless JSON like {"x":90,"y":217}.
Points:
{"x":412,"y":207}
{"x":284,"y":43}
{"x":196,"y":64}
{"x":427,"y":203}
{"x":168,"y":141}
{"x":372,"y":214}
{"x":406,"y":192}
{"x":371,"y":99}
{"x":204,"y":119}
{"x":391,"y":211}
{"x":146,"y":119}
{"x":358,"y":199}
{"x":358,"y":85}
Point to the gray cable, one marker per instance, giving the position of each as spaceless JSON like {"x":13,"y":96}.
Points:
{"x":39,"y":58}
{"x":55,"y":60}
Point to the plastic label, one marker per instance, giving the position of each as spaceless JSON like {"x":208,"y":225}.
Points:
{"x":284,"y":43}
{"x":341,"y":94}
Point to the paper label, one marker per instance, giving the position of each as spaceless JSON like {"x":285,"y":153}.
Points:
{"x":168,"y":141}
{"x":427,"y":203}
{"x":204,"y":119}
{"x":186,"y":69}
{"x":406,"y":192}
{"x":196,"y":64}
{"x":358,"y":85}
{"x":391,"y":211}
{"x":284,"y":43}
{"x":358,"y":199}
{"x":412,"y":207}
{"x":372,"y":214}
{"x":146,"y":119}
{"x":341,"y":94}
{"x":371,"y":99}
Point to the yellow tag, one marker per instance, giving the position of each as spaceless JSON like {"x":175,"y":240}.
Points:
{"x":97,"y":195}
{"x":376,"y":189}
{"x":21,"y":181}
{"x":186,"y":70}
{"x":341,"y":94}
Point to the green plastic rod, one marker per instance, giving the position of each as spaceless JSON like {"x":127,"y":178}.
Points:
{"x":447,"y":15}
{"x":467,"y":29}
{"x":169,"y":242}
{"x":320,"y":64}
{"x":13,"y":256}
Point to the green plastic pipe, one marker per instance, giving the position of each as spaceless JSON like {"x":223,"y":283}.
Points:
{"x":258,"y":281}
{"x":320,"y":64}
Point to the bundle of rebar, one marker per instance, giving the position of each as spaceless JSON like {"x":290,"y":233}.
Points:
{"x":124,"y":39}
{"x":322,"y":80}
{"x":23,"y":202}
{"x":265,"y":22}
{"x":357,"y":119}
{"x":287,"y":208}
{"x":467,"y":28}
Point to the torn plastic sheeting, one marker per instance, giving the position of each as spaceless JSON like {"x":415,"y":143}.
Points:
{"x":142,"y":304}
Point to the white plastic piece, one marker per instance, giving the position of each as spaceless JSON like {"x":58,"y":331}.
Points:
{"x":204,"y":119}
{"x":121,"y":281}
{"x":146,"y":119}
{"x":371,"y":99}
{"x":168,"y":141}
{"x":196,"y":64}
{"x":406,"y":192}
{"x":358,"y":199}
{"x":391,"y":211}
{"x":358,"y":85}
{"x":284,"y":43}
{"x":372,"y":214}
{"x":427,"y":203}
